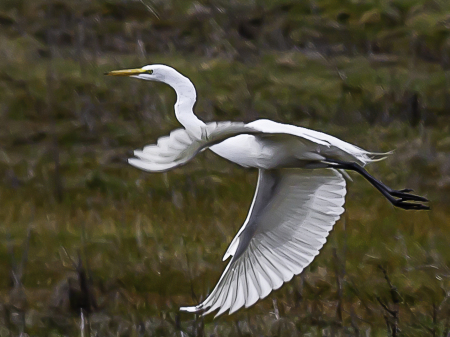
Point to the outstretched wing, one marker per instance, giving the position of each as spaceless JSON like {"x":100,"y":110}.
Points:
{"x":181,"y":146}
{"x":290,"y":218}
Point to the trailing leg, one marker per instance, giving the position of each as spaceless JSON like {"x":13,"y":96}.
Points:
{"x":398,"y":198}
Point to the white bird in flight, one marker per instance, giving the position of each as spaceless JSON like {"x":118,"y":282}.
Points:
{"x":299,"y":195}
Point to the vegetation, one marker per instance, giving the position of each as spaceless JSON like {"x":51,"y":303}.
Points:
{"x":91,"y":246}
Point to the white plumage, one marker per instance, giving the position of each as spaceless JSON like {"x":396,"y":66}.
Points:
{"x":292,"y":213}
{"x":299,"y":195}
{"x":181,"y":146}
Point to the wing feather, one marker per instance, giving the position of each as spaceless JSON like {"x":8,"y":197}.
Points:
{"x":253,"y":286}
{"x":283,"y":234}
{"x":181,"y":146}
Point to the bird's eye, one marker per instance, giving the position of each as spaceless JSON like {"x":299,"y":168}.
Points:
{"x":149,"y":72}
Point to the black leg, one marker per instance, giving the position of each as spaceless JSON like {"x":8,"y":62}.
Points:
{"x":404,"y":198}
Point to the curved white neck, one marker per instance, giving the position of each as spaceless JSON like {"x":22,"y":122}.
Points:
{"x":184,"y":106}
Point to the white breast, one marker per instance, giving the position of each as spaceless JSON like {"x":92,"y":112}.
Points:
{"x":244,"y":150}
{"x":267,"y":153}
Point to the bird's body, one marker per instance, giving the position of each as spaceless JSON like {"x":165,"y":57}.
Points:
{"x":282,"y":145}
{"x":298,"y":199}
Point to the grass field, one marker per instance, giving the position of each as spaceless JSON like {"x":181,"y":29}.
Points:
{"x":83,"y":232}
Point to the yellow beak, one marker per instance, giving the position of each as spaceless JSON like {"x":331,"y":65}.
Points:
{"x":125,"y":72}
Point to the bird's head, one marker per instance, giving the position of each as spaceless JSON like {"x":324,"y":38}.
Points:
{"x":153,"y":72}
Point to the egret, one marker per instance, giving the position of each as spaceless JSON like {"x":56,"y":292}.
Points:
{"x":299,"y":195}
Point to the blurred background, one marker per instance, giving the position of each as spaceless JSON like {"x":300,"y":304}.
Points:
{"x":93,"y":247}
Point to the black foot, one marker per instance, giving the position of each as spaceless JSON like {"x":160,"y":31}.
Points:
{"x":408,"y":205}
{"x":406,"y":196}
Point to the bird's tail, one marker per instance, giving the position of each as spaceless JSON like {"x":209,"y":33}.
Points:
{"x":370,"y":157}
